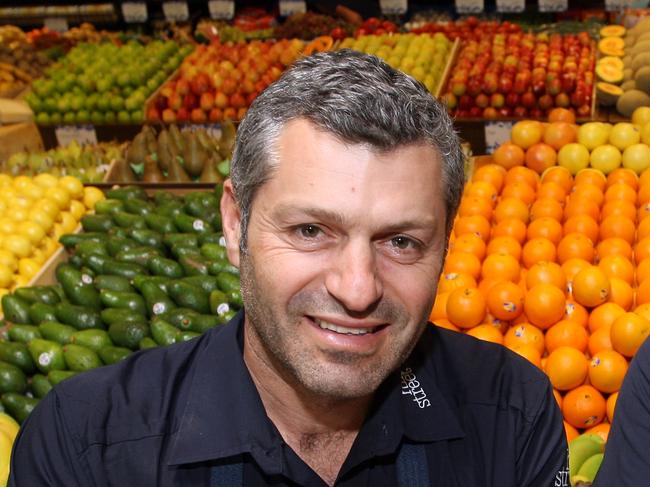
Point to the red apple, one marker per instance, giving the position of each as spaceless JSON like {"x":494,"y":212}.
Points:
{"x":220,"y":100}
{"x":512,"y":99}
{"x":200,"y":84}
{"x":190,"y":101}
{"x":528,"y":99}
{"x":562,"y":100}
{"x":490,"y":113}
{"x":168,"y":115}
{"x":207,"y":101}
{"x":497,"y":100}
{"x":182,"y":115}
{"x":198,"y":116}
{"x":175,"y":101}
{"x":215,"y":115}
{"x":520,"y":112}
{"x":182,"y":86}
{"x":545,"y":102}
{"x":153,"y":114}
{"x":482,"y":100}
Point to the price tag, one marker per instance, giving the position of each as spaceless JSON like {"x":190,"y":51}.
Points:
{"x":553,"y":5}
{"x":82,"y":134}
{"x":614,"y":5}
{"x":290,"y":7}
{"x":213,"y":129}
{"x":393,"y":7}
{"x":511,"y":6}
{"x":134,"y":12}
{"x":221,"y":9}
{"x":176,"y":11}
{"x":496,"y":133}
{"x":57,"y":24}
{"x":469,"y":6}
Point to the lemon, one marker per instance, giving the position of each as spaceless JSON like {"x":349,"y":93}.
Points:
{"x":21,"y":182}
{"x":45,"y":180}
{"x":49,"y":246}
{"x":91,"y":196}
{"x":33,"y":191}
{"x":9,"y":426}
{"x":20,"y":281}
{"x":77,"y":209}
{"x":33,"y":231}
{"x":41,"y":218}
{"x":5,"y":454}
{"x":9,"y":192}
{"x":39,"y":257}
{"x":48,"y":206}
{"x":6,"y":276}
{"x":8,"y":259}
{"x":74,"y":187}
{"x":57,"y":231}
{"x":5,"y":180}
{"x":7,"y":226}
{"x":3,"y":207}
{"x":20,"y":202}
{"x":17,"y":245}
{"x":28,"y":267}
{"x":59,"y":195}
{"x":68,"y":222}
{"x":3,"y":291}
{"x":19,"y":214}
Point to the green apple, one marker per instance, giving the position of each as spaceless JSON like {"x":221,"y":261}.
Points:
{"x":96,"y":117}
{"x":117,"y":103}
{"x":56,"y":118}
{"x":69,"y":117}
{"x":110,"y":117}
{"x":82,"y":116}
{"x":42,"y":118}
{"x":123,"y":116}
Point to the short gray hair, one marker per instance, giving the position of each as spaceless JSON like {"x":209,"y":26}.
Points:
{"x":356,"y":97}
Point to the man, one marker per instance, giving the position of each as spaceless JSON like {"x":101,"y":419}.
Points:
{"x":346,"y":177}
{"x":626,"y":461}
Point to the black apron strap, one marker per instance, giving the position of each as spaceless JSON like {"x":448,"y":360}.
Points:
{"x":412,"y":466}
{"x":227,"y":475}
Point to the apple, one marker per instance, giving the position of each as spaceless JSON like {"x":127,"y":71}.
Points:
{"x":198,"y":116}
{"x":490,"y":113}
{"x":153,"y":114}
{"x":175,"y":101}
{"x":215,"y":115}
{"x":182,"y":86}
{"x":545,"y":102}
{"x":190,"y":101}
{"x":182,"y":115}
{"x":497,"y":100}
{"x":168,"y":115}
{"x":512,"y":99}
{"x":200,"y":84}
{"x":528,"y":99}
{"x":206,"y":101}
{"x":482,"y":100}
{"x":220,"y":100}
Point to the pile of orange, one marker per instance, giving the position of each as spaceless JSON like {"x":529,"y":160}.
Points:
{"x":555,"y":267}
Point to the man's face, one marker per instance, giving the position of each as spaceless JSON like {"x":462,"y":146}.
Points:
{"x":345,"y":246}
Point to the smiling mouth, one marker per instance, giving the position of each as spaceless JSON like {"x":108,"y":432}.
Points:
{"x":346,"y":330}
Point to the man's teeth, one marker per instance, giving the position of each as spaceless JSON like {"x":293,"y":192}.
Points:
{"x":343,"y":329}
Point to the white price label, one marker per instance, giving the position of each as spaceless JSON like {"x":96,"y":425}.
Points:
{"x":496,"y":133}
{"x":614,"y":5}
{"x":222,"y":241}
{"x":82,"y":134}
{"x":222,"y":309}
{"x":290,"y":7}
{"x":176,"y":11}
{"x":134,"y":12}
{"x":57,"y":24}
{"x":221,"y":9}
{"x":86,"y":279}
{"x":393,"y":7}
{"x":511,"y":6}
{"x":198,"y":225}
{"x":553,"y":5}
{"x":469,"y":6}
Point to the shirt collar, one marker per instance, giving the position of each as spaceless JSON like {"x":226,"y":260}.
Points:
{"x":224,"y":415}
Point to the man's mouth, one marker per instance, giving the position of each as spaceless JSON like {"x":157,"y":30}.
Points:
{"x":345,"y":330}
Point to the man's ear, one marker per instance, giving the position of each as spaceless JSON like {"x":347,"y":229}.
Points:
{"x":231,"y":222}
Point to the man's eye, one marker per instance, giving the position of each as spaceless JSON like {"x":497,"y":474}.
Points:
{"x":309,"y":231}
{"x":403,"y":243}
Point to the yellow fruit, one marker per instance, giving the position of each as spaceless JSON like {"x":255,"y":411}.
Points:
{"x":28,"y":267}
{"x":91,"y":196}
{"x":637,"y":157}
{"x":7,"y":226}
{"x":59,"y":195}
{"x":593,"y":134}
{"x":46,"y":180}
{"x":9,"y":426}
{"x":574,"y":157}
{"x":57,"y":231}
{"x":20,"y":281}
{"x":3,"y":207}
{"x":49,"y":246}
{"x":74,"y":187}
{"x":33,"y":191}
{"x":68,"y":222}
{"x":645,"y":134}
{"x":624,"y":134}
{"x":33,"y":231}
{"x":6,"y":276}
{"x":5,"y":180}
{"x":8,"y":259}
{"x":605,"y":158}
{"x":19,"y":214}
{"x":39,"y":257}
{"x":41,"y":218}
{"x":641,"y":116}
{"x":48,"y":206}
{"x":3,"y":291}
{"x":5,"y":455}
{"x":77,"y":209}
{"x":17,"y":245}
{"x":21,"y":182}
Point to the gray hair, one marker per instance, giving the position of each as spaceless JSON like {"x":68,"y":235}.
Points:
{"x":356,"y":97}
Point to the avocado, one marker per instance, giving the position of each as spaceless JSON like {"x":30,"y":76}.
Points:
{"x":17,"y":353}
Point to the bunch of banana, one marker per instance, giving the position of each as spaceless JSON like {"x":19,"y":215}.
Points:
{"x":585,"y":457}
{"x":12,"y":80}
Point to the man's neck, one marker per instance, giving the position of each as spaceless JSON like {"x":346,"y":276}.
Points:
{"x":320,"y":430}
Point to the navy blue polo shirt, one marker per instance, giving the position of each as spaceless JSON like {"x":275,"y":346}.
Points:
{"x":166,"y":416}
{"x":627,"y":462}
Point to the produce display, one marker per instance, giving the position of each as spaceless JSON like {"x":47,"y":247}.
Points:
{"x":34,"y":213}
{"x":175,"y":156}
{"x":422,"y":56}
{"x":20,"y":62}
{"x":104,"y":83}
{"x":586,"y":452}
{"x":87,"y":163}
{"x":522,"y":75}
{"x":219,"y":81}
{"x":624,"y":70}
{"x":8,"y":432}
{"x":469,"y":29}
{"x":311,"y":25}
{"x":145,"y":272}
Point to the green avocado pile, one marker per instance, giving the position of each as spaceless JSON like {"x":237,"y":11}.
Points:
{"x":145,"y":272}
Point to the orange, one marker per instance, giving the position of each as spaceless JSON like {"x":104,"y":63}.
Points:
{"x":567,"y":368}
{"x":504,"y":245}
{"x":625,"y":176}
{"x":611,"y":406}
{"x":444,"y":323}
{"x":475,"y":205}
{"x":486,"y":332}
{"x":615,"y":226}
{"x":583,"y":224}
{"x":607,"y":370}
{"x":590,"y":177}
{"x":576,"y":312}
{"x":643,"y":229}
{"x":486,"y":284}
{"x":587,"y":191}
{"x":614,"y":246}
{"x":526,"y":133}
{"x":620,"y":192}
{"x":462,"y":263}
{"x":439,"y":310}
{"x":642,"y":250}
{"x":600,"y":340}
{"x":623,"y":209}
{"x":575,"y":245}
{"x":509,"y":155}
{"x":561,"y":115}
{"x":644,"y":178}
{"x":643,"y":212}
{"x":572,"y":266}
{"x":470,"y":243}
{"x":559,"y":175}
{"x":566,"y":333}
{"x":558,"y":397}
{"x":519,"y":190}
{"x":510,"y":227}
{"x":500,"y":325}
{"x":581,"y":206}
{"x":490,"y":173}
{"x":505,"y":300}
{"x":465,"y":307}
{"x":522,"y":174}
{"x":643,"y":292}
{"x":601,"y":430}
{"x":524,"y":334}
{"x":559,"y":134}
{"x":546,"y":272}
{"x":540,"y":157}
{"x":590,"y":287}
{"x":642,"y":270}
{"x":511,"y":208}
{"x":546,"y":207}
{"x":538,"y":250}
{"x":604,"y":315}
{"x":482,"y":189}
{"x":553,"y":191}
{"x":584,"y":407}
{"x":621,"y":293}
{"x":453,"y":280}
{"x":643,"y":310}
{"x":504,"y":267}
{"x":544,"y":305}
{"x":617,"y":266}
{"x":570,"y":431}
{"x":476,"y":224}
{"x":530,"y":353}
{"x":628,"y":333}
{"x":545,"y":227}
{"x":643,"y":195}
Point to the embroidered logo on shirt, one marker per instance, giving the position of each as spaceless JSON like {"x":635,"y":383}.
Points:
{"x":412,"y":387}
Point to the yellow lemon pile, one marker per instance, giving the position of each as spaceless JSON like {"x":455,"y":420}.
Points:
{"x":8,"y":431}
